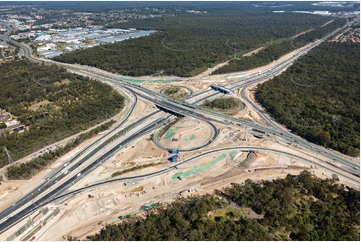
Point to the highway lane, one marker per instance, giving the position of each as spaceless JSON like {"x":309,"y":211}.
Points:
{"x":125,"y":119}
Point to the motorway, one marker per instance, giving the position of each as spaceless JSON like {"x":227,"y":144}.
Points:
{"x":179,"y":107}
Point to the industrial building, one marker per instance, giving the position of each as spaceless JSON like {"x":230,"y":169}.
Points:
{"x":125,"y":37}
{"x":43,"y":38}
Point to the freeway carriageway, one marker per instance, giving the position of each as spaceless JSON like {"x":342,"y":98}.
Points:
{"x":180,"y":107}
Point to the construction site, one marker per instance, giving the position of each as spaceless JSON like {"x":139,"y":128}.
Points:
{"x":154,"y":154}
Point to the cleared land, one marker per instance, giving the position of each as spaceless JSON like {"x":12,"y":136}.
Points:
{"x":187,"y":133}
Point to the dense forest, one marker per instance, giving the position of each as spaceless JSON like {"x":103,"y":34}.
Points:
{"x":295,"y":208}
{"x":187,"y":44}
{"x":52,"y":103}
{"x":319,"y":97}
{"x":277,"y":49}
{"x":222,"y":104}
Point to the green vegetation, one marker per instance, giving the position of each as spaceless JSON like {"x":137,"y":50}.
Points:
{"x":223,"y":104}
{"x":170,"y":132}
{"x":176,"y":92}
{"x":52,"y":103}
{"x":277,"y":49}
{"x":165,"y":129}
{"x":30,"y":168}
{"x":186,"y":44}
{"x":295,"y":208}
{"x":171,"y":91}
{"x":319,"y":97}
{"x":222,"y":213}
{"x":134,"y":168}
{"x":190,"y":137}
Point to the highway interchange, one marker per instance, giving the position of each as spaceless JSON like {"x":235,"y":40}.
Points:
{"x":110,"y":143}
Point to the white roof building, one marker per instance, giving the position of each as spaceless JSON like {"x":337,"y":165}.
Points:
{"x":70,"y":40}
{"x":42,"y":38}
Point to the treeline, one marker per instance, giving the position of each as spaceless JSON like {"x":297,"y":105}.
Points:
{"x":187,"y":44}
{"x":295,"y":208}
{"x":222,"y":103}
{"x":32,"y":167}
{"x":52,"y":103}
{"x":318,"y":97}
{"x":278,"y":48}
